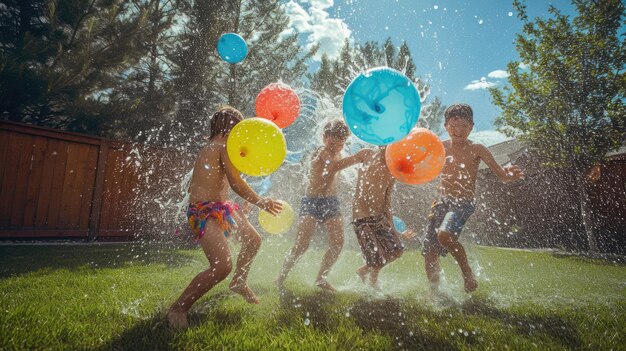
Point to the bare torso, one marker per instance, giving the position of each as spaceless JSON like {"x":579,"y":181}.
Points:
{"x":209,"y":181}
{"x":373,"y":184}
{"x":458,"y":176}
{"x":322,"y":177}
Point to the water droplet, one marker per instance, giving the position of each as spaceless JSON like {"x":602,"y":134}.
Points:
{"x":307,"y":322}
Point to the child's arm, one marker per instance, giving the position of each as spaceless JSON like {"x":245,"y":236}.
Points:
{"x":244,"y":190}
{"x":505,"y":174}
{"x":346,"y":162}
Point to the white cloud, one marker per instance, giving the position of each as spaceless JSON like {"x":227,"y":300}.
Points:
{"x":498,"y":74}
{"x":314,"y":22}
{"x":483,"y":83}
{"x":320,"y":4}
{"x":522,"y":65}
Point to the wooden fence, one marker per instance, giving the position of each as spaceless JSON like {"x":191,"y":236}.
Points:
{"x":65,"y":185}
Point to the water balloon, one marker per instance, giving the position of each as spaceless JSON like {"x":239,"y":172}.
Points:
{"x":381,"y":106}
{"x":232,"y":48}
{"x":280,"y":223}
{"x":416,"y":159}
{"x":256,"y":147}
{"x":399,"y":224}
{"x":278,"y":103}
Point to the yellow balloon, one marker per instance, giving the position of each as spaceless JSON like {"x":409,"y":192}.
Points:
{"x":278,"y":224}
{"x":256,"y":146}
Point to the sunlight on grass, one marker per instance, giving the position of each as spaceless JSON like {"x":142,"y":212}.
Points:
{"x":114,"y":297}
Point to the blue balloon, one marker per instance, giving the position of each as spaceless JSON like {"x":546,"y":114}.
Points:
{"x":381,"y":106}
{"x":399,"y":224}
{"x":232,"y":48}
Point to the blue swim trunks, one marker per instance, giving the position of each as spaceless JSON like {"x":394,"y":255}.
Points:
{"x":320,"y":208}
{"x":447,"y":214}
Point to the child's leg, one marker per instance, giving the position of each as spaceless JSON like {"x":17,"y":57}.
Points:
{"x":363,"y":271}
{"x":306,"y":228}
{"x":374,"y":277}
{"x":250,"y":243}
{"x":431,"y":264}
{"x":216,"y":250}
{"x":334,"y":227}
{"x":455,"y":248}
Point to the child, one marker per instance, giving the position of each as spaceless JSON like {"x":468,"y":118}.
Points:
{"x":372,"y":218}
{"x":210,"y":216}
{"x":456,"y":200}
{"x":320,"y":205}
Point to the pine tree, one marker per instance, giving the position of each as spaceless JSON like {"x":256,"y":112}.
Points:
{"x":203,"y":81}
{"x":432,"y":116}
{"x":59,"y":56}
{"x":145,"y":95}
{"x":334,"y":75}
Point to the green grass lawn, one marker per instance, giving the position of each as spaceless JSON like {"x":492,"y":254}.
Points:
{"x":114,"y":297}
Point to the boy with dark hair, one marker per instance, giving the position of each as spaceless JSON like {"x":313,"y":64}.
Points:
{"x":320,"y":206}
{"x":456,"y":195}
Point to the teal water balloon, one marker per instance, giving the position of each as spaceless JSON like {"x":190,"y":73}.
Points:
{"x":381,"y":106}
{"x":232,"y":48}
{"x":399,"y":224}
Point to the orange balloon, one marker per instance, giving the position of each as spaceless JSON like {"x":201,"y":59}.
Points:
{"x":416,"y":159}
{"x":278,"y":103}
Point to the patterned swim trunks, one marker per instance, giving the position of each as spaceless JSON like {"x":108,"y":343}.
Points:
{"x":199,"y":212}
{"x":379,"y":242}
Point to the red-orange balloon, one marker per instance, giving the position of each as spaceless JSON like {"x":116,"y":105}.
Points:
{"x":416,"y":159}
{"x":278,"y":103}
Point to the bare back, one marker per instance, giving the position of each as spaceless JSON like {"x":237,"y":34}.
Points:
{"x":209,"y":181}
{"x":373,"y":188}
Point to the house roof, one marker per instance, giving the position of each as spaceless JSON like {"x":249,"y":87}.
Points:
{"x":505,"y":152}
{"x":510,"y":150}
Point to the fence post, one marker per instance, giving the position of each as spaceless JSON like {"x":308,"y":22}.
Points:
{"x":94,"y":217}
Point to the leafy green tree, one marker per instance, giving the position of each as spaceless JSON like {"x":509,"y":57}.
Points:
{"x":57,"y":57}
{"x":568,"y":105}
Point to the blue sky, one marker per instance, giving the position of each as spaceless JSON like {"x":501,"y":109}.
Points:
{"x":460,"y":48}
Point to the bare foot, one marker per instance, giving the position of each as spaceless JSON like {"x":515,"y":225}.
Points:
{"x":470,"y":284}
{"x":322,"y":283}
{"x":177,"y":319}
{"x":362,"y":272}
{"x":242,"y":289}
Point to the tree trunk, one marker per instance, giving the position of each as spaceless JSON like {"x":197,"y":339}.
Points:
{"x":583,"y":198}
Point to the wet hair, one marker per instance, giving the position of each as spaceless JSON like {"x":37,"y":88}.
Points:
{"x":224,"y":120}
{"x":462,"y":111}
{"x":337,"y":129}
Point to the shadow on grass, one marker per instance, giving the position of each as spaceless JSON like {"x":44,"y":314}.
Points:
{"x":392,"y":317}
{"x":150,"y":334}
{"x":531,"y":324}
{"x":315,"y":307}
{"x":17,"y":260}
{"x":399,"y":320}
{"x":156,"y":334}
